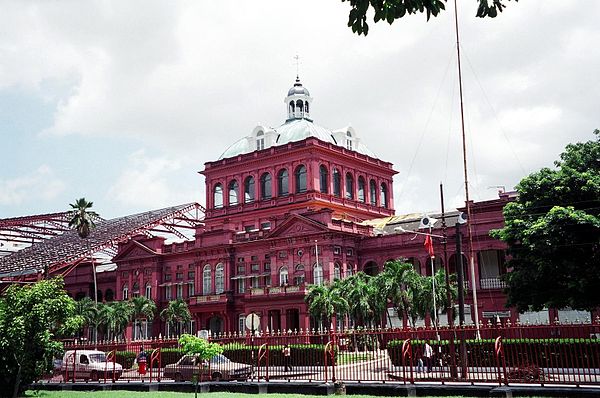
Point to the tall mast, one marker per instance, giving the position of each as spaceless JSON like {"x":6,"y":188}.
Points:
{"x":464,"y":149}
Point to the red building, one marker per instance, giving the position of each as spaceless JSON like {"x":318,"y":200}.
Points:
{"x":287,"y":207}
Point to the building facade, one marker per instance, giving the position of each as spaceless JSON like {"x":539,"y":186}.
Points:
{"x":287,"y":207}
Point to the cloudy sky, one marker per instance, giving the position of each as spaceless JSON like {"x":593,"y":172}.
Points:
{"x":124,"y":102}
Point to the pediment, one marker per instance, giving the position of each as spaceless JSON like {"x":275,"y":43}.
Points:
{"x":298,"y":225}
{"x":133,"y":250}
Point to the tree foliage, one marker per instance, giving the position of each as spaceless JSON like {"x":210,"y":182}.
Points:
{"x":193,"y":345}
{"x":324,"y":301}
{"x":553,"y":233}
{"x":82,"y":218}
{"x":31,"y":316}
{"x":390,"y":10}
{"x":177,"y":311}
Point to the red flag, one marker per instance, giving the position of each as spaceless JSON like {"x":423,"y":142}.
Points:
{"x":429,"y":246}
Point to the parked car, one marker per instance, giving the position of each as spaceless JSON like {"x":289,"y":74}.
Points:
{"x":89,"y":365}
{"x":218,"y":368}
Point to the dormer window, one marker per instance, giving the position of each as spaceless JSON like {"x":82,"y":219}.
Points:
{"x":348,"y":140}
{"x":260,"y":140}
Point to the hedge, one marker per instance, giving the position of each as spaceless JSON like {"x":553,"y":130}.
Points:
{"x":125,"y":358}
{"x":300,"y":354}
{"x":554,"y":352}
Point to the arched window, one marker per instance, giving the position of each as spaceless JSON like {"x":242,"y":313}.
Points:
{"x":371,"y":268}
{"x":337,"y":189}
{"x":260,"y":140}
{"x":148,"y":290}
{"x":323,"y":179}
{"x":206,"y":280}
{"x":300,"y":105}
{"x":265,"y":186}
{"x":373,"y":193}
{"x":361,"y":189}
{"x":283,"y":276}
{"x":318,"y":274}
{"x":233,"y":192}
{"x":300,"y":179}
{"x":292,"y":107}
{"x":249,"y":189}
{"x":384,"y":196}
{"x":306,"y":106}
{"x":283,"y":183}
{"x":337,"y":271}
{"x":218,"y":196}
{"x":109,"y":295}
{"x":219,"y":279}
{"x":125,"y":292}
{"x":349,"y":186}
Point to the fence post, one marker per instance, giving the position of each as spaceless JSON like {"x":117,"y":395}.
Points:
{"x":407,"y":352}
{"x":499,"y":350}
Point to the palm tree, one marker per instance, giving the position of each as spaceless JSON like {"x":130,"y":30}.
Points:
{"x":88,"y":311}
{"x":82,"y":220}
{"x":177,"y":311}
{"x":360,"y":293}
{"x":143,"y":308}
{"x":400,"y":283}
{"x":424,"y":300}
{"x":116,"y":316}
{"x":324,"y":301}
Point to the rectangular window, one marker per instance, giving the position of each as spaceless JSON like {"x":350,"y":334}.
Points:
{"x":191,"y":289}
{"x":254,"y":258}
{"x":337,"y":250}
{"x":241,"y":323}
{"x":179,"y":291}
{"x":241,"y":286}
{"x":179,"y":276}
{"x":148,"y":271}
{"x":267,"y":266}
{"x":265,"y":225}
{"x":299,"y":280}
{"x":125,"y":274}
{"x":167,"y":277}
{"x":241,"y":269}
{"x":191,"y":274}
{"x":248,"y":228}
{"x":349,"y":252}
{"x":268,"y":280}
{"x":255,"y":267}
{"x":282,"y":254}
{"x":240,"y":259}
{"x":168,"y":293}
{"x":255,"y":281}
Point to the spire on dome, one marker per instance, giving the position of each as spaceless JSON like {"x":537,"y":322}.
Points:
{"x":298,"y":101}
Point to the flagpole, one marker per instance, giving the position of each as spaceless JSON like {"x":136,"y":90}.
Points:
{"x":431,"y":257}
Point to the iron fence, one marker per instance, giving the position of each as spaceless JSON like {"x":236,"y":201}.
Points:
{"x":503,"y":354}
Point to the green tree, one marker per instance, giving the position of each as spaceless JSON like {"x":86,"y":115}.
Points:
{"x":390,"y":10}
{"x":401,"y":284}
{"x":31,"y":316}
{"x":143,"y":309}
{"x":175,"y":313}
{"x":116,"y":316}
{"x":193,"y":345}
{"x":82,"y":221}
{"x":553,"y":233}
{"x":423,"y":303}
{"x":88,"y":311}
{"x":324,"y":301}
{"x":361,"y":295}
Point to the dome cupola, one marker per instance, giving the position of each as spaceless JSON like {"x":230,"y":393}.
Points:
{"x":298,"y":102}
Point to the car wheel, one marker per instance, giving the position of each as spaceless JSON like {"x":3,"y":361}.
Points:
{"x":177,"y":377}
{"x":94,"y":376}
{"x":216,"y":376}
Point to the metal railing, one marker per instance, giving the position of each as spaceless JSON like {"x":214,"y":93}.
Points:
{"x":505,"y":354}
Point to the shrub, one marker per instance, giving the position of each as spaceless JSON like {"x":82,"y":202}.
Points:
{"x":125,"y":358}
{"x":170,"y":356}
{"x":301,"y":354}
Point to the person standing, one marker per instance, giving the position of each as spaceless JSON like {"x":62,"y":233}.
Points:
{"x":428,"y":356}
{"x":287,"y":357}
{"x":141,"y":361}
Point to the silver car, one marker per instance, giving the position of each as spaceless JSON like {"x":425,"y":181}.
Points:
{"x":218,"y":368}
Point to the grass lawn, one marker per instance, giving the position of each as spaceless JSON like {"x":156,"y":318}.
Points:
{"x":165,"y":394}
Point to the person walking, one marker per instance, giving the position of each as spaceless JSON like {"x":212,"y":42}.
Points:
{"x":287,"y":358}
{"x":428,"y":356}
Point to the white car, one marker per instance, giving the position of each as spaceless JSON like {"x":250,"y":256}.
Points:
{"x":89,"y":365}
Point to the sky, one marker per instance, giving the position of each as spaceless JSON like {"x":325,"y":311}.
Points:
{"x":123,"y":102}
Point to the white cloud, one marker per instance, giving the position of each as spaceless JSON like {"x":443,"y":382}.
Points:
{"x":148,"y":182}
{"x":37,"y":186}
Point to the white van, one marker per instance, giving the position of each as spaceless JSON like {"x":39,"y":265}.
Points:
{"x":89,"y":365}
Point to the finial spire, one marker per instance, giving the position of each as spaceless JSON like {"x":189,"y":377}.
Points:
{"x":297,"y":58}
